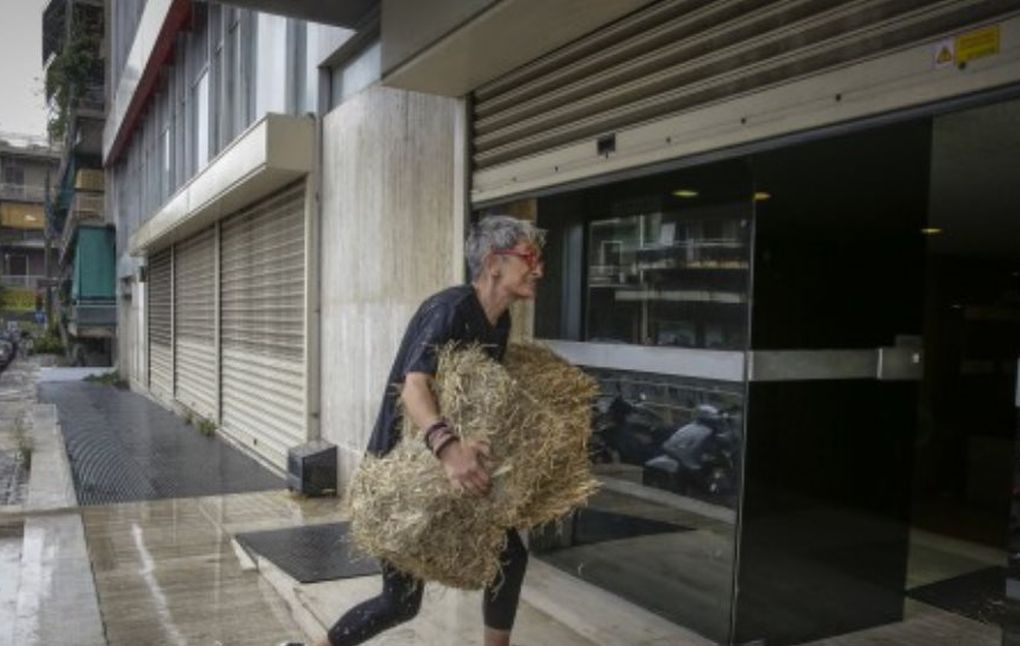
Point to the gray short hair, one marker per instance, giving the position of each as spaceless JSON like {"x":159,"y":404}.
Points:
{"x":498,"y":232}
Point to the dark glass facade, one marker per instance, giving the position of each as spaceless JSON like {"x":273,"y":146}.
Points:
{"x":854,"y":468}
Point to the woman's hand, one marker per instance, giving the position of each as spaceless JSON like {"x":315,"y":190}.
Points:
{"x":464,"y":464}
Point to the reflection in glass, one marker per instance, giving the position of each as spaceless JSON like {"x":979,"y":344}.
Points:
{"x":656,"y":261}
{"x":668,"y":274}
{"x":660,"y":533}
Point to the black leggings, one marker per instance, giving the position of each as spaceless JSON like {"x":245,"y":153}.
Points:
{"x":401,"y":598}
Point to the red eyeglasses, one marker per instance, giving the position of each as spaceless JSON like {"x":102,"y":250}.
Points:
{"x":532,"y":258}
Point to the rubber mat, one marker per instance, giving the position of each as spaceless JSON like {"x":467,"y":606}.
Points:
{"x":310,"y":553}
{"x":979,"y":595}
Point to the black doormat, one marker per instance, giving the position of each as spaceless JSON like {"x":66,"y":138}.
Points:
{"x":310,"y":553}
{"x":979,"y":595}
{"x":597,"y":526}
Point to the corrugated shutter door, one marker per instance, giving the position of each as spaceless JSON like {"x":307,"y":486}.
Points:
{"x":194,"y":323}
{"x":676,"y":55}
{"x":262,"y":325}
{"x":160,"y":315}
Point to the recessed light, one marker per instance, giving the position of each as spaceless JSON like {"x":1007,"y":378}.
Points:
{"x":931,"y":231}
{"x":685,"y":193}
{"x":761,"y":196}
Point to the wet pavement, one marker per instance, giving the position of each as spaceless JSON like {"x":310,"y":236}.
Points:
{"x":123,"y":447}
{"x":17,"y":396}
{"x":167,"y":571}
{"x":155,"y":572}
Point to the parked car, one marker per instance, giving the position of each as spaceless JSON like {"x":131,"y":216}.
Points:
{"x":7,"y":350}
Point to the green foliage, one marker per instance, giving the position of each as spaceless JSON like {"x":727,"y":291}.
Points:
{"x":206,"y":427}
{"x":111,"y":378}
{"x":69,"y":73}
{"x":48,"y":344}
{"x":24,"y":444}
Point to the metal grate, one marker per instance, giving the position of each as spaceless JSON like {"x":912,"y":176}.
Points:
{"x":680,"y":54}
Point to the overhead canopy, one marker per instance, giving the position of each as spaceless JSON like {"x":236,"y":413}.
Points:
{"x":342,"y":13}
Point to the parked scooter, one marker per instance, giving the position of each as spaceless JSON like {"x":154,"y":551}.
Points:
{"x":700,"y":459}
{"x":625,"y":433}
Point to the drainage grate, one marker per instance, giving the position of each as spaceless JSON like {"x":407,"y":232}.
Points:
{"x":122,"y":448}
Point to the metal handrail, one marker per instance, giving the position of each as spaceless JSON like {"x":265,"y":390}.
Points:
{"x":22,"y":282}
{"x":22,"y":192}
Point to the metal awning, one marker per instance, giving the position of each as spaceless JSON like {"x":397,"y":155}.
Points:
{"x":342,"y":13}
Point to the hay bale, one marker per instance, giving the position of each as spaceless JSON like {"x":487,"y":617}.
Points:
{"x":534,"y":411}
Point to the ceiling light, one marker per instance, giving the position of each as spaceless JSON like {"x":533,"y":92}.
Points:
{"x":685,"y":193}
{"x":931,"y":231}
{"x":761,"y":196}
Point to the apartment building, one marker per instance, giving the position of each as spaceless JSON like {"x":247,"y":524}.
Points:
{"x":27,"y":166}
{"x":74,"y":57}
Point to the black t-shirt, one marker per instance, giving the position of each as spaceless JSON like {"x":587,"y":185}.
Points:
{"x":453,"y":314}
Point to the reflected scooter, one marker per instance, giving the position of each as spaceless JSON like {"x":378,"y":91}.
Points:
{"x":700,"y":458}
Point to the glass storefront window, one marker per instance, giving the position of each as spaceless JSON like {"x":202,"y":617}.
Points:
{"x":660,"y":261}
{"x":669,"y":278}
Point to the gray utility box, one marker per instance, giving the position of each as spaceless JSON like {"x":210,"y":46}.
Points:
{"x":311,"y":469}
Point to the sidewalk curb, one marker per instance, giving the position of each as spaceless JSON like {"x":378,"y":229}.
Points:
{"x":57,"y":597}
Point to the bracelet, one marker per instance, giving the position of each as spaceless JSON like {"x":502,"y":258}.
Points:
{"x":438,"y":437}
{"x":430,"y":433}
{"x":443,"y":442}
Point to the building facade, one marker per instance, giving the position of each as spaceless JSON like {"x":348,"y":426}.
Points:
{"x":778,"y":236}
{"x":73,"y":55}
{"x":27,"y":168}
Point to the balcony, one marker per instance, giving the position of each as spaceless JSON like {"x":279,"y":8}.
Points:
{"x":95,"y":318}
{"x":92,"y":102}
{"x":86,"y":208}
{"x":23,"y":282}
{"x":22,"y":238}
{"x":88,"y":205}
{"x":22,"y":193}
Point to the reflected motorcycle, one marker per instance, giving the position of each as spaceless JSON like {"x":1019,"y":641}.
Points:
{"x":624,"y":432}
{"x":700,"y":459}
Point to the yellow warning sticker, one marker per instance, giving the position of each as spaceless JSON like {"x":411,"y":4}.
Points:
{"x":944,"y":53}
{"x":977,"y":44}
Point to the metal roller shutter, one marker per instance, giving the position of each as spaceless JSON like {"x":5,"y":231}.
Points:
{"x":676,"y":55}
{"x":262,"y":269}
{"x":194,"y":323}
{"x":160,"y":315}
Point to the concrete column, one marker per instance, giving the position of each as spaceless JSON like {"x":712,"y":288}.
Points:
{"x":392,"y":219}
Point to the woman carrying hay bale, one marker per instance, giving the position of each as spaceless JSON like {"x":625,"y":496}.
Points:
{"x":503,"y":254}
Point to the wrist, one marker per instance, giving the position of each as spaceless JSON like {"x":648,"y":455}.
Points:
{"x":442,"y":447}
{"x":434,"y":432}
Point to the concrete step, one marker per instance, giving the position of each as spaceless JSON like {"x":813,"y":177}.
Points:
{"x":57,"y":601}
{"x":555,"y":610}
